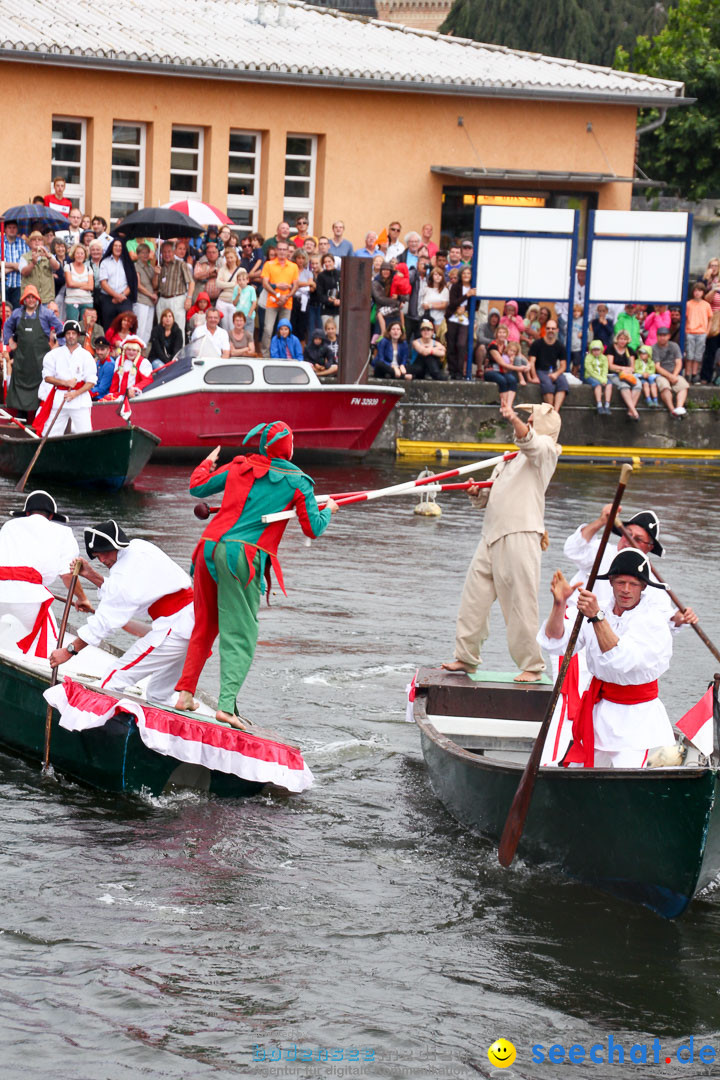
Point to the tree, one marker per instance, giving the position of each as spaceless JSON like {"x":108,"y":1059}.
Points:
{"x":683,"y":152}
{"x":586,"y":30}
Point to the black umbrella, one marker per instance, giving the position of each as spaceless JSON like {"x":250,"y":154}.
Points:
{"x":157,"y":221}
{"x":30,"y":214}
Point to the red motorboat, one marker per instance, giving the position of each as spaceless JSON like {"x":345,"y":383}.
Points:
{"x":201,"y":401}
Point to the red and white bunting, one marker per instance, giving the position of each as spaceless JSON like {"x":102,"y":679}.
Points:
{"x":411,"y":690}
{"x":198,"y":742}
{"x":697,"y":724}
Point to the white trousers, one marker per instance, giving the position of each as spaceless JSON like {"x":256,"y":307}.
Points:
{"x":80,"y":420}
{"x":227,"y":310}
{"x":26,"y":614}
{"x":627,"y":758}
{"x":160,"y":654}
{"x":176,"y":305}
{"x":144,"y":313}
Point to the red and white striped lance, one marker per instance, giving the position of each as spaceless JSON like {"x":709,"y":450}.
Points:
{"x":399,"y":489}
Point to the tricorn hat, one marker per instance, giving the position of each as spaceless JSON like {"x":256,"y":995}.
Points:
{"x":107,"y":536}
{"x":39,"y":502}
{"x":631,"y":563}
{"x":648,"y":521}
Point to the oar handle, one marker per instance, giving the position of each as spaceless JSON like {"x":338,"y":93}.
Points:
{"x":515,"y":822}
{"x":56,"y":671}
{"x":20,"y":486}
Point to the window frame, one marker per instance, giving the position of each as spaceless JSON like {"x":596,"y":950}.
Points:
{"x":295,"y":205}
{"x":197,"y":194}
{"x":245,"y":202}
{"x":134,"y":195}
{"x":74,"y":192}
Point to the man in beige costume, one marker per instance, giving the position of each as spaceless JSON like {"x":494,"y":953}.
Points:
{"x":506,"y":565}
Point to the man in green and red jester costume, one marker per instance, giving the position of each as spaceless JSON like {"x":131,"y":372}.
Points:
{"x":235,"y":553}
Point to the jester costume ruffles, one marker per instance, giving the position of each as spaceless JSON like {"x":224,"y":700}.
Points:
{"x":236,"y":551}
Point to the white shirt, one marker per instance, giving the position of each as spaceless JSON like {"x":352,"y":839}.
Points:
{"x":47,"y":546}
{"x":642,"y":654}
{"x":219,"y":342}
{"x":113,"y":271}
{"x":141,"y":575}
{"x":76,"y":366}
{"x":582,"y":552}
{"x":394,"y":250}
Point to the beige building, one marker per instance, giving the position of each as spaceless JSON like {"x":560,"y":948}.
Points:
{"x":421,"y":14}
{"x":269,"y":110}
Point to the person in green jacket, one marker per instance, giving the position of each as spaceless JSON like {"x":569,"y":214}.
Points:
{"x":596,"y":375}
{"x":628,"y":321}
{"x":645,"y":371}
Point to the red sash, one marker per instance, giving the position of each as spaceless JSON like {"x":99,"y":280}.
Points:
{"x":582,"y":748}
{"x":43,"y":413}
{"x":170,"y":604}
{"x":40,"y":626}
{"x":570,"y":692}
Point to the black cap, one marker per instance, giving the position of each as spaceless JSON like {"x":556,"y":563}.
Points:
{"x":648,"y":521}
{"x":102,"y":341}
{"x":107,"y":536}
{"x":631,"y":563}
{"x":39,"y":502}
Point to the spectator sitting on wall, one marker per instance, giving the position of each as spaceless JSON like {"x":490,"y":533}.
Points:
{"x":284,"y":345}
{"x":548,"y":364}
{"x":212,"y":339}
{"x":371,"y":248}
{"x":339,"y":246}
{"x":387,"y":307}
{"x":645,"y":373}
{"x":427,"y":354}
{"x":531,"y":327}
{"x":520,"y":364}
{"x":484,"y":334}
{"x":602,"y":327}
{"x":544,"y":314}
{"x":627,"y":320}
{"x":392,"y":358}
{"x":668,"y":365}
{"x":166,"y":340}
{"x":319,"y":355}
{"x":57,"y":200}
{"x":698,"y":314}
{"x":596,"y":375}
{"x":241,"y":340}
{"x":499,"y":368}
{"x":621,"y":364}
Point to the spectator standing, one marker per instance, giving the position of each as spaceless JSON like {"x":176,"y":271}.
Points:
{"x":576,"y":339}
{"x":79,"y":284}
{"x":166,"y":340}
{"x":698,"y":314}
{"x":280,"y":281}
{"x":395,"y":245}
{"x":251,"y":260}
{"x":603,"y":328}
{"x":387,"y":307}
{"x":458,"y":322}
{"x":578,"y":292}
{"x":226,"y":282}
{"x":328,"y":290}
{"x":30,"y":331}
{"x":282,"y":235}
{"x":711,"y":279}
{"x":245,"y":299}
{"x":392,"y":358}
{"x":319,"y":355}
{"x":99,"y":228}
{"x":675,"y":323}
{"x":37,"y":267}
{"x":57,"y":200}
{"x":302,"y":234}
{"x":332,"y":340}
{"x":660,"y":316}
{"x":301,"y":300}
{"x":173,"y":284}
{"x":118,"y":282}
{"x":621,"y":365}
{"x":548,"y":364}
{"x":339,"y":246}
{"x":411,"y":252}
{"x":59,"y":250}
{"x":668,"y":365}
{"x":466,"y":252}
{"x":426,"y":238}
{"x":627,"y":320}
{"x":414,"y":313}
{"x":15,"y":247}
{"x":144,"y":306}
{"x":324,"y":249}
{"x":206,"y":271}
{"x":514,"y":323}
{"x":370,"y":250}
{"x":454,"y":260}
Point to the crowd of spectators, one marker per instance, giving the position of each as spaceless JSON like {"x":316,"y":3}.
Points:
{"x":280,"y":296}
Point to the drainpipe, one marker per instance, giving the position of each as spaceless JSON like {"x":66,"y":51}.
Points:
{"x":652,"y":126}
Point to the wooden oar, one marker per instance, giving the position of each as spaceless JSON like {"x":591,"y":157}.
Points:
{"x":515,"y":822}
{"x":56,"y":671}
{"x":20,"y":486}
{"x":678,"y":603}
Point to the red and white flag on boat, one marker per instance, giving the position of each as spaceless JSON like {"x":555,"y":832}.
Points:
{"x":697,"y":724}
{"x":411,"y":690}
{"x":189,"y":739}
{"x":124,"y":409}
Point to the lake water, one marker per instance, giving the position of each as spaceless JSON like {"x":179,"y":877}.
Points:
{"x":357,"y":924}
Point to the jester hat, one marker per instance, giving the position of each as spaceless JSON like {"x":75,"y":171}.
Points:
{"x":278,"y":435}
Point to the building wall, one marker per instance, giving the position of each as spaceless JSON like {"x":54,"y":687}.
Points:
{"x":375,"y":149}
{"x":422,"y":14}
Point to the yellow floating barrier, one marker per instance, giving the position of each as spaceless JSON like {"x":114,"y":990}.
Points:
{"x":412,"y":450}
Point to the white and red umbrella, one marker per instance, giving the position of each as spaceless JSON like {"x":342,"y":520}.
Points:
{"x":203,"y":213}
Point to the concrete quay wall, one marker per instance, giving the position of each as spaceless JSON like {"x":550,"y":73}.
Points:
{"x":469,"y":412}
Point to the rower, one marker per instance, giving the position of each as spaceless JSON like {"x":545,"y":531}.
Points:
{"x":35,"y":549}
{"x":68,"y":374}
{"x":628,"y":646}
{"x":142,"y":581}
{"x":237,"y":550}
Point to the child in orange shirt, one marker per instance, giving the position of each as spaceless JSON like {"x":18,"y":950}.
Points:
{"x":698,"y":314}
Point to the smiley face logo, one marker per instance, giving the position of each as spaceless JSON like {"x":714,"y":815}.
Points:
{"x":502,"y":1053}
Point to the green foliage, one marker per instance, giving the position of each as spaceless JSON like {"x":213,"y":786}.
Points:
{"x":586,"y":30}
{"x":683,"y":151}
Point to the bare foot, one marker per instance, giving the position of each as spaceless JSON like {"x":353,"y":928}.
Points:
{"x":186,"y":702}
{"x":228,"y":718}
{"x":458,"y":665}
{"x":528,"y":676}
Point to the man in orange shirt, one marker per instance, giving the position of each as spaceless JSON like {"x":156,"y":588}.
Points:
{"x":698,"y":314}
{"x":280,"y":281}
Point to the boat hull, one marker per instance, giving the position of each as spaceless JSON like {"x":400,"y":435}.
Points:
{"x":325,"y":419}
{"x":651,"y":836}
{"x":106,"y":459}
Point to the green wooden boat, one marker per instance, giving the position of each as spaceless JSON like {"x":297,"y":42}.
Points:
{"x":105,"y":459}
{"x":651,"y":836}
{"x":112,"y":757}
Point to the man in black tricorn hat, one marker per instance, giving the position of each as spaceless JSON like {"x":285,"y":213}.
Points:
{"x":142,"y":581}
{"x":36,"y":547}
{"x":628,"y":646}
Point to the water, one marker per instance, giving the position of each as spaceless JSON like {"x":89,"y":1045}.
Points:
{"x":182,"y":936}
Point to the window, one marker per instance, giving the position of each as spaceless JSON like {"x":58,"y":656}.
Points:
{"x":300,"y":155}
{"x":186,"y":163}
{"x":243,"y":180}
{"x":285,"y":375}
{"x":127,"y":192}
{"x":230,"y":375}
{"x":69,"y":138}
